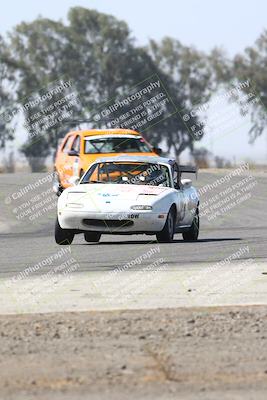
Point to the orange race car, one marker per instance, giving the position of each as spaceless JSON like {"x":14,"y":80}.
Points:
{"x":79,"y":149}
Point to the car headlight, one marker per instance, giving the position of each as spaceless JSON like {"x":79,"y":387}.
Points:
{"x":74,"y":205}
{"x":141,"y":207}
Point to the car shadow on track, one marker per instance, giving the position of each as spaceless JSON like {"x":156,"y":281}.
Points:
{"x":156,"y":242}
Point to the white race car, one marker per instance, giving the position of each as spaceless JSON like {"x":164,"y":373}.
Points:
{"x":130,"y":195}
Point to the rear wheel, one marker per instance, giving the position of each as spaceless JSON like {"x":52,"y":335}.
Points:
{"x":92,"y":236}
{"x":167,"y":233}
{"x":63,"y":236}
{"x":192,"y":234}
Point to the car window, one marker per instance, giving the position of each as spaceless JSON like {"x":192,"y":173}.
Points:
{"x":66,"y":145}
{"x":76,"y":144}
{"x":135,"y":173}
{"x":116,"y":145}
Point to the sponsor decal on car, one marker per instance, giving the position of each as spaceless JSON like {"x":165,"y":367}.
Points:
{"x":108,"y":194}
{"x":133,"y":216}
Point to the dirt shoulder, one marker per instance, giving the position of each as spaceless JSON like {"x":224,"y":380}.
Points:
{"x":164,"y":354}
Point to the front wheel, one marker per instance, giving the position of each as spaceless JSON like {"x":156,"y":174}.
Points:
{"x":167,"y":233}
{"x":63,"y":236}
{"x":92,"y":236}
{"x":192,"y":234}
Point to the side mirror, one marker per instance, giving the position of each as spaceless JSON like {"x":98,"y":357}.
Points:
{"x":73,"y":153}
{"x":157,"y":150}
{"x":186,"y":183}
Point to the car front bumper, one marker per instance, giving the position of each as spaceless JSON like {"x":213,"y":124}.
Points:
{"x":141,"y":221}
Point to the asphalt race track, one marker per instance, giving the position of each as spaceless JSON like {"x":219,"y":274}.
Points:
{"x":228,"y":263}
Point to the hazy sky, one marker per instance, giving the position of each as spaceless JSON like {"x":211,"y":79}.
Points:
{"x":231,"y":24}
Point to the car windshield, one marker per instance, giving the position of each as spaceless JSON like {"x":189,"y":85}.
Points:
{"x":116,"y":145}
{"x":134,"y":173}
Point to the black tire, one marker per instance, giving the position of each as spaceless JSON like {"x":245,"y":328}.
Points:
{"x":92,"y":236}
{"x":167,"y":233}
{"x":63,"y":236}
{"x":192,"y":234}
{"x":58,"y":189}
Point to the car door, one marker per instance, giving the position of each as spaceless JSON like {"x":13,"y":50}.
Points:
{"x":191,"y":200}
{"x":76,"y":162}
{"x":189,"y":206}
{"x":67,"y":168}
{"x":72,"y":161}
{"x":180,"y":197}
{"x":62,"y":159}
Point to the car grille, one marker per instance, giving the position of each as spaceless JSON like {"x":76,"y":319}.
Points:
{"x":108,"y":223}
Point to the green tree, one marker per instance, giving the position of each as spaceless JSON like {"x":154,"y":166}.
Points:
{"x":39,"y":50}
{"x":6,"y":100}
{"x":189,"y":69}
{"x":97,"y":52}
{"x":36,"y":152}
{"x":191,"y":78}
{"x":251,"y":65}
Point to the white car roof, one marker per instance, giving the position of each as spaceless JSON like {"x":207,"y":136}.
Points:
{"x":101,"y":137}
{"x":143,"y":159}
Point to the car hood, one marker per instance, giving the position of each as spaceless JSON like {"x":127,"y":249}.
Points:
{"x":120,"y":191}
{"x":116,"y":196}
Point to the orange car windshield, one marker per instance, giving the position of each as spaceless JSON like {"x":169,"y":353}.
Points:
{"x":128,"y":173}
{"x":116,"y":145}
